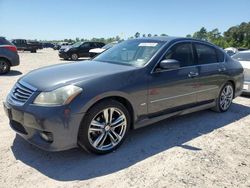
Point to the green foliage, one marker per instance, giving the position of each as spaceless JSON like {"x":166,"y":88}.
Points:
{"x":236,"y":36}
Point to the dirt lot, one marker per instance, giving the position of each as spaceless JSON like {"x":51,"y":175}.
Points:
{"x":203,"y":149}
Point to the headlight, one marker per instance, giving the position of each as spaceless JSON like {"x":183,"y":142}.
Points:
{"x":60,"y":96}
{"x":67,"y":49}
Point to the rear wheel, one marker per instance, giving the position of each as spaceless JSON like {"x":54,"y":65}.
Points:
{"x":104,"y":128}
{"x":74,"y":57}
{"x":224,"y":101}
{"x":4,"y":66}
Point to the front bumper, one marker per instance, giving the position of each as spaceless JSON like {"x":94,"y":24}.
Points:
{"x":30,"y":121}
{"x":63,"y":55}
{"x":246,"y":87}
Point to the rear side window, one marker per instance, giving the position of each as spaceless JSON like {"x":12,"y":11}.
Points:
{"x":181,"y":52}
{"x":220,"y":56}
{"x":3,"y":41}
{"x":205,"y":54}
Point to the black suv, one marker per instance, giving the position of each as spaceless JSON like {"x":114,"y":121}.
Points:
{"x":79,"y":49}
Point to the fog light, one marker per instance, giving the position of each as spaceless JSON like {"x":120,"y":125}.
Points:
{"x":47,"y":136}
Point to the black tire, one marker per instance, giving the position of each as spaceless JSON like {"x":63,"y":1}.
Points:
{"x":84,"y":133}
{"x":219,"y":106}
{"x":33,"y":51}
{"x":4,"y":66}
{"x":74,"y":57}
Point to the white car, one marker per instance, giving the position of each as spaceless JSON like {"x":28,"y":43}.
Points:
{"x":244,"y":58}
{"x":96,"y":51}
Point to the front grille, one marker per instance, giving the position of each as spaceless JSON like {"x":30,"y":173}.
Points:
{"x":21,"y":92}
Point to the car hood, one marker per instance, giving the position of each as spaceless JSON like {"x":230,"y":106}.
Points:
{"x":52,"y":77}
{"x":245,"y":64}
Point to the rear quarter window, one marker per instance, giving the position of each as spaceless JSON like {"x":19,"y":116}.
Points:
{"x":220,"y":56}
{"x":3,"y":41}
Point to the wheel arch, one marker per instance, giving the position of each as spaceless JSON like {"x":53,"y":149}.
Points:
{"x":117,"y":97}
{"x":5,"y":58}
{"x":233,"y":83}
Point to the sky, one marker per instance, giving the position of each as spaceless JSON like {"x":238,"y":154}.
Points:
{"x":61,"y":19}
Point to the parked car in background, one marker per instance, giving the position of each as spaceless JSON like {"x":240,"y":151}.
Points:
{"x":244,"y":58}
{"x":62,"y":45}
{"x":25,"y":45}
{"x":48,"y":45}
{"x":79,"y":49}
{"x":231,"y":51}
{"x":94,"y":104}
{"x":8,"y":55}
{"x":94,"y":52}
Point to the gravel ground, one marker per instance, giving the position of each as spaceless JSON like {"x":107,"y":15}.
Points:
{"x":203,"y":149}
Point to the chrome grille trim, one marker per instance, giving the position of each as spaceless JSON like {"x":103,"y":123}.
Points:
{"x":21,"y":92}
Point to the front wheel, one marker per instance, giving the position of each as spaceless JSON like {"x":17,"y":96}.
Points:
{"x":224,"y":101}
{"x":74,"y":57}
{"x":104,"y":128}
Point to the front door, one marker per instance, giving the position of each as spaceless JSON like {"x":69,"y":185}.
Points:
{"x":173,"y":90}
{"x":84,"y":49}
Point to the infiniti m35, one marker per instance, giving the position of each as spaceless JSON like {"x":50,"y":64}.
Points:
{"x":93,"y":104}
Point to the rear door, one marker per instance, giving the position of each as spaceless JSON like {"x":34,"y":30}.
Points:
{"x":211,"y":67}
{"x":174,"y":89}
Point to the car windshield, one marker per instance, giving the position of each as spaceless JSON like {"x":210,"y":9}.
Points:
{"x":244,"y":56}
{"x":131,"y":52}
{"x":77,"y":44}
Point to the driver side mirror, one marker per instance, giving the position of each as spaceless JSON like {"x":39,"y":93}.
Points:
{"x":169,"y":64}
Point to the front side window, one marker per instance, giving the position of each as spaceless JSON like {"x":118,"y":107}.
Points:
{"x":85,"y":45}
{"x":181,"y":52}
{"x":131,"y":52}
{"x":205,"y":54}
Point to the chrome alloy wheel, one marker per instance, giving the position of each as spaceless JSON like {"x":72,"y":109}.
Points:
{"x":226,"y":97}
{"x":107,"y":129}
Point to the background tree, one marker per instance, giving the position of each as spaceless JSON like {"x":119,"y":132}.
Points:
{"x":137,"y":35}
{"x":201,"y":34}
{"x":149,"y":35}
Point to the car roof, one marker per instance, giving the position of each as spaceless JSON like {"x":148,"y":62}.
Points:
{"x":171,"y":38}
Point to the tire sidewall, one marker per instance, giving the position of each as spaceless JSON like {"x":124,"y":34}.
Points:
{"x":218,"y":100}
{"x":83,"y":140}
{"x":8,"y":66}
{"x":72,"y":55}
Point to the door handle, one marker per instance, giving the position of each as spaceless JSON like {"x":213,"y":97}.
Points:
{"x":222,"y":69}
{"x":193,"y":74}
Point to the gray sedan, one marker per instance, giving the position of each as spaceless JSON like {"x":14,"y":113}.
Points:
{"x":93,"y":104}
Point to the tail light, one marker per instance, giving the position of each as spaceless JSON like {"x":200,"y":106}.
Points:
{"x":11,"y":48}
